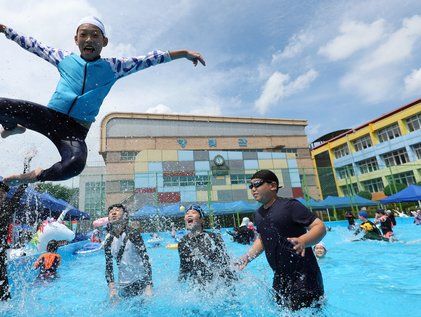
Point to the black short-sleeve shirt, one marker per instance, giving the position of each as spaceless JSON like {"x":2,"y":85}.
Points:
{"x":288,"y":218}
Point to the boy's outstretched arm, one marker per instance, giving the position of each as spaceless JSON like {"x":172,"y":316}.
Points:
{"x":190,"y":55}
{"x":51,"y":55}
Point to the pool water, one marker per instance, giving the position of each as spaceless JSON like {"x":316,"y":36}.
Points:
{"x":365,"y":278}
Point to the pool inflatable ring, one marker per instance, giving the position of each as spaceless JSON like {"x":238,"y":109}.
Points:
{"x":100,"y":222}
{"x":89,"y":248}
{"x":172,"y":246}
{"x":52,"y":231}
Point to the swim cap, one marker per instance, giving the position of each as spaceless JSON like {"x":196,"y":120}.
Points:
{"x":322,"y":245}
{"x":198,"y":209}
{"x":94,"y":21}
{"x":245,"y":221}
{"x":363,"y":213}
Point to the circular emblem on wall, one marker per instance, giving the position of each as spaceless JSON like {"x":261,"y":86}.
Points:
{"x":219,"y":160}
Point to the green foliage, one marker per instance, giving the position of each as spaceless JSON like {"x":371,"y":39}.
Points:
{"x":364,"y":194}
{"x":393,"y":188}
{"x":71,"y":195}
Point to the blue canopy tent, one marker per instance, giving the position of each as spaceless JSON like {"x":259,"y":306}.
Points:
{"x":35,"y":200}
{"x":411,"y":193}
{"x":172,"y":210}
{"x":361,"y":201}
{"x":341,"y":202}
{"x":312,"y":203}
{"x":73,"y":213}
{"x":232,"y":207}
{"x":218,"y":208}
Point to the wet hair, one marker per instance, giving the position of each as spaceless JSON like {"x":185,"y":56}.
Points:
{"x":125,"y":211}
{"x":52,"y":246}
{"x":4,"y":186}
{"x":267,"y":176}
{"x":121,"y":206}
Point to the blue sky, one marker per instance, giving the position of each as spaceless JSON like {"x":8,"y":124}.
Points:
{"x":337,"y":64}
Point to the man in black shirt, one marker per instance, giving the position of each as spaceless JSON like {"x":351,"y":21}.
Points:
{"x":287,"y":230}
{"x":7,"y":207}
{"x":203,"y":257}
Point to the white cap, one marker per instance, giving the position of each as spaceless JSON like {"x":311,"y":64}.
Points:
{"x":322,"y":245}
{"x":245,"y":221}
{"x":94,"y":21}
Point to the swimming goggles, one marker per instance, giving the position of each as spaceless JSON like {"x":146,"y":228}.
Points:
{"x":257,"y":184}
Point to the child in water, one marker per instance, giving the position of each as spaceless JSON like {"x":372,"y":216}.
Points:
{"x":319,"y":250}
{"x":85,"y":81}
{"x":48,"y":262}
{"x":203,"y":256}
{"x":371,"y":232}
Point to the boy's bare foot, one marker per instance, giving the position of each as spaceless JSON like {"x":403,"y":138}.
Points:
{"x":26,"y":178}
{"x":18,"y":130}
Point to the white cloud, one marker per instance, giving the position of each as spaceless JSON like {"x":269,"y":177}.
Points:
{"x":413,"y":82}
{"x":354,"y":37}
{"x":378,"y":74}
{"x":159,"y":109}
{"x":398,"y":46}
{"x":279,"y":86}
{"x":295,"y":46}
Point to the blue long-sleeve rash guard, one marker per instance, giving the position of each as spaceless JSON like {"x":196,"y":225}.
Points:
{"x":83,"y":85}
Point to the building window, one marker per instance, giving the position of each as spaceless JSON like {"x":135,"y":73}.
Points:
{"x":373,"y":185}
{"x":341,"y":151}
{"x":389,"y":133}
{"x":202,"y":180}
{"x":368,"y":165}
{"x":176,"y":181}
{"x":414,"y":122}
{"x":417,"y":150}
{"x":345,"y":171}
{"x":187,"y":181}
{"x":350,"y":190}
{"x":397,"y":157}
{"x":362,"y":143}
{"x":406,"y":178}
{"x":287,"y":150}
{"x":240,"y":178}
{"x":95,"y":198}
{"x":128,"y":155}
{"x":126,"y":186}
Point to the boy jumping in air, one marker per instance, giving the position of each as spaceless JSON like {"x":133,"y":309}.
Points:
{"x":85,"y":81}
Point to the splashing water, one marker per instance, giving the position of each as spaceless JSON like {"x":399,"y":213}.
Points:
{"x":351,"y":271}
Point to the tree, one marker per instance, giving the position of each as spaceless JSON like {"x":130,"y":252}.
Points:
{"x":71,"y":195}
{"x":364,"y":194}
{"x":393,"y":188}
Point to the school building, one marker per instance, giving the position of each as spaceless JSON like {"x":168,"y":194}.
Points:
{"x":371,"y":156}
{"x":164,"y":159}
